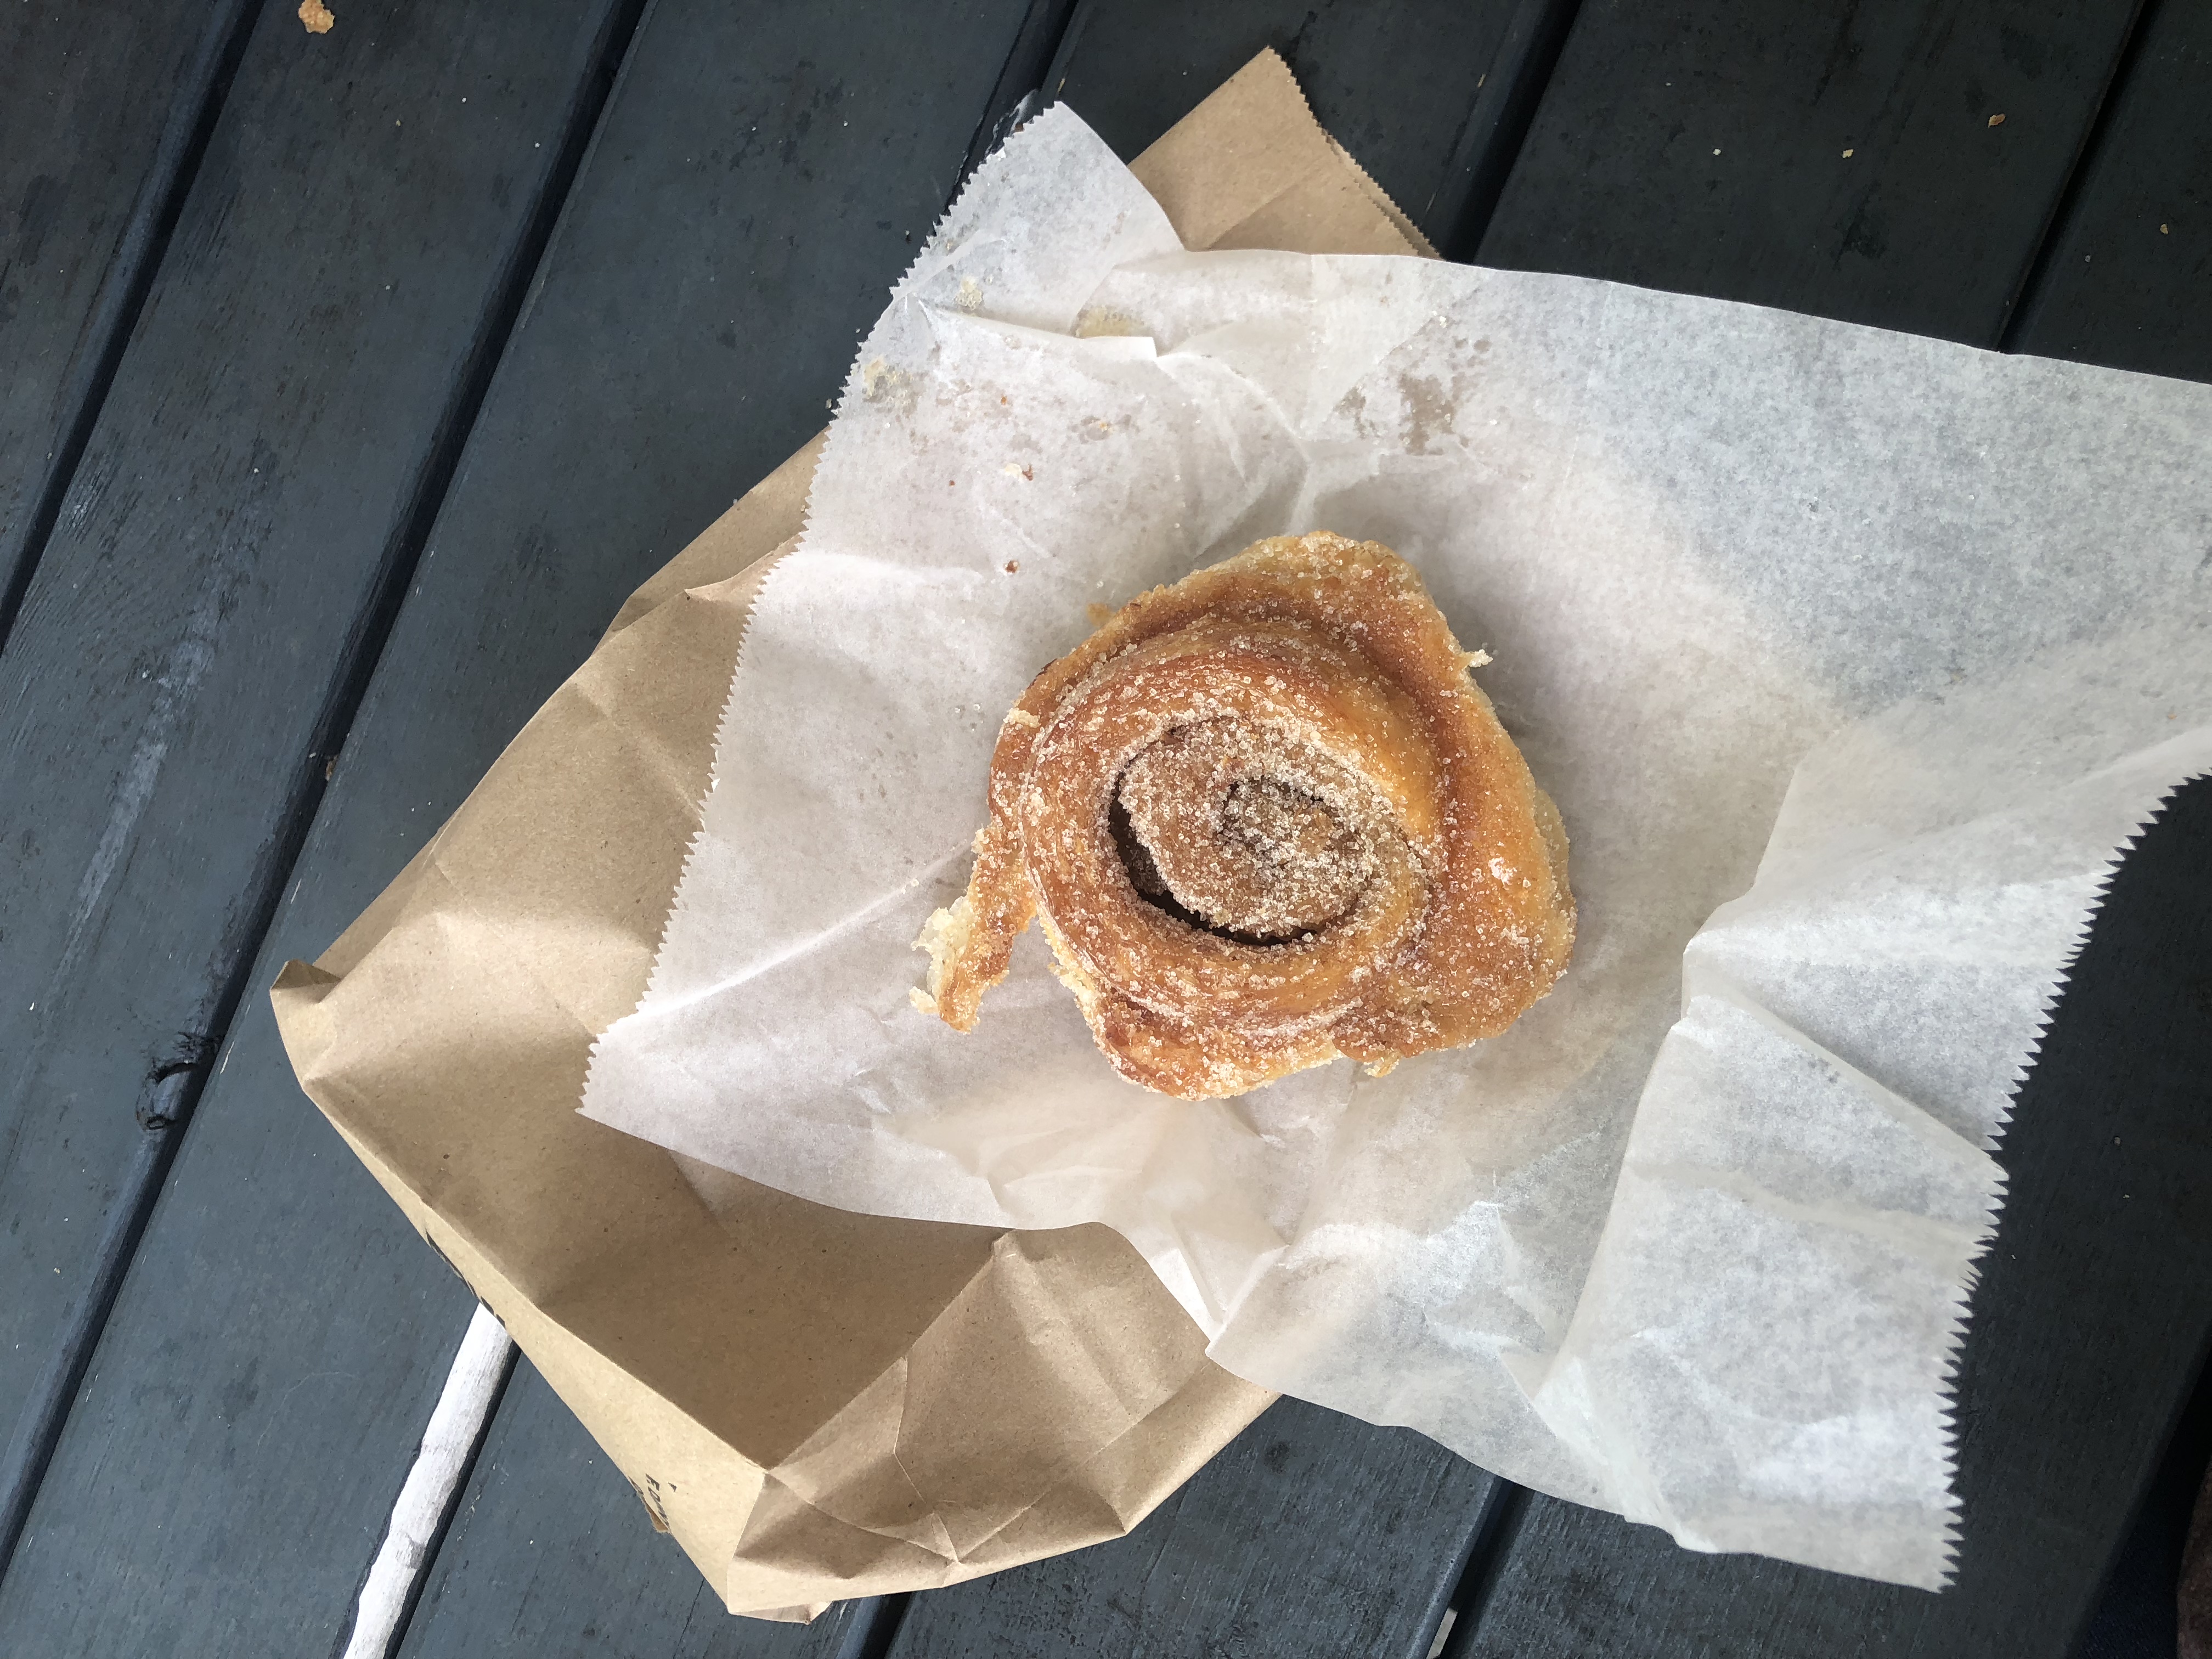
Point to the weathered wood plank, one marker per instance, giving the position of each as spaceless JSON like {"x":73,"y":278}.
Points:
{"x":544,"y":1512}
{"x":358,"y":229}
{"x":1311,"y":1535}
{"x":101,"y":115}
{"x":2127,"y":278}
{"x":2093,"y":1309}
{"x":1395,"y":85}
{"x":750,"y":198}
{"x":1701,"y":147}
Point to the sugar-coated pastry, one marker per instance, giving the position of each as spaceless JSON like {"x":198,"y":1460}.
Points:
{"x":1268,"y":819}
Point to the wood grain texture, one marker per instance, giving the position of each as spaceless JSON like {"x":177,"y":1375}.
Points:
{"x":1699,"y":146}
{"x":2127,"y":279}
{"x":224,"y":1477}
{"x":351,"y":235}
{"x":99,"y":106}
{"x":747,"y":204}
{"x":251,"y":470}
{"x":545,"y":1514}
{"x":1311,"y":1535}
{"x":2092,"y":1318}
{"x":1393,"y":84}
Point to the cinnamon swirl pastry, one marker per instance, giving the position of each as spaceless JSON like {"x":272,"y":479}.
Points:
{"x":1268,"y":820}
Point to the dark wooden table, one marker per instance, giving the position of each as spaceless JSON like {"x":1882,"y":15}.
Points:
{"x":349,"y":380}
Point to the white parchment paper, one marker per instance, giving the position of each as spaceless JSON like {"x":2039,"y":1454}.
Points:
{"x":1692,"y":1241}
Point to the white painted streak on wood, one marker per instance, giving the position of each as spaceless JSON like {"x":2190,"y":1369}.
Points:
{"x":472,"y":1388}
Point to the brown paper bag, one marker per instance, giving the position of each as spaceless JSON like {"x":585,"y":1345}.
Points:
{"x":818,"y":1405}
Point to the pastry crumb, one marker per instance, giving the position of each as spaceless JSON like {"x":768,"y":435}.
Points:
{"x":317,"y":16}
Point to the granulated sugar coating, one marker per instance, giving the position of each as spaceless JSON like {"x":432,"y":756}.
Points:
{"x":1258,"y":834}
{"x":1269,"y":820}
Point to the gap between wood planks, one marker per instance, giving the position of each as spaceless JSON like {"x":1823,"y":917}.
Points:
{"x":138,"y":256}
{"x":2027,"y":298}
{"x":431,"y":1493}
{"x":1504,"y":108}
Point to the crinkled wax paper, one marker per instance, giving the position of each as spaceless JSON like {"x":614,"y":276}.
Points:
{"x":1708,"y":1275}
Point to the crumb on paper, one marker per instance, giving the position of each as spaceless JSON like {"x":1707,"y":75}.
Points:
{"x":885,"y":383}
{"x":1102,"y":322}
{"x":317,"y":16}
{"x":1013,"y":566}
{"x":1849,"y":154}
{"x":1997,"y":120}
{"x":970,"y":300}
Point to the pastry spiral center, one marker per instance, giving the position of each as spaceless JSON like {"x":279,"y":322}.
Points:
{"x":1246,"y":831}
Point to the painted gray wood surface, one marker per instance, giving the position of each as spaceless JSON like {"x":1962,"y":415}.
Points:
{"x":545,"y":1512}
{"x":1697,"y":145}
{"x":2127,"y":282}
{"x":99,"y":108}
{"x":1395,"y":85}
{"x":1311,"y":1536}
{"x":92,"y":102}
{"x":352,"y":234}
